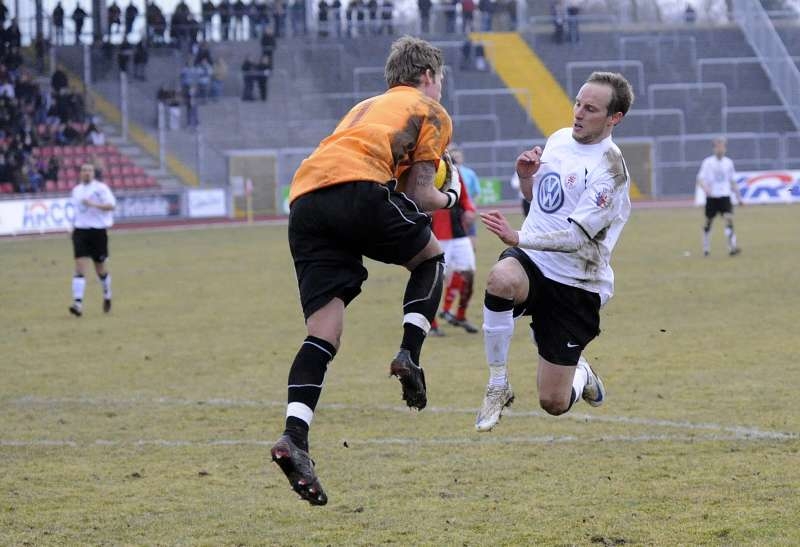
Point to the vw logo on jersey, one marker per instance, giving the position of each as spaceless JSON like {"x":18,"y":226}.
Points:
{"x":550,"y":194}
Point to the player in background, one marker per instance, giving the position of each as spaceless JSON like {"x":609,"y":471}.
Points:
{"x":457,"y":286}
{"x":717,"y":179}
{"x":344,"y":205}
{"x":93,"y":204}
{"x":557,"y":269}
{"x":451,"y":228}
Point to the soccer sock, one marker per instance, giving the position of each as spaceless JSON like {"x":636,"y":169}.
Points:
{"x":498,"y":328}
{"x":423,"y":293}
{"x":453,"y":288}
{"x":578,"y":383}
{"x":731,"y":235}
{"x":465,"y":295}
{"x":78,"y":286}
{"x":305,"y":386}
{"x":707,"y":240}
{"x":105,"y":280}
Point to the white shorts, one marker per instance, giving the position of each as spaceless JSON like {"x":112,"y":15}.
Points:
{"x":459,"y":256}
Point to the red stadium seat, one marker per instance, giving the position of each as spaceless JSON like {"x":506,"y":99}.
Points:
{"x":6,"y":188}
{"x":50,"y":186}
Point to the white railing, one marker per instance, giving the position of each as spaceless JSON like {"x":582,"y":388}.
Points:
{"x":674,"y":40}
{"x":523,"y":95}
{"x":779,"y":66}
{"x":591,"y":66}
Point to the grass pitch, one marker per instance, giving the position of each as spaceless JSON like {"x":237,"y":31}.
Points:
{"x":151,"y":426}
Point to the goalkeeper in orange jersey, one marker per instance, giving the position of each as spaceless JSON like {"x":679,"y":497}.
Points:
{"x":345,"y":204}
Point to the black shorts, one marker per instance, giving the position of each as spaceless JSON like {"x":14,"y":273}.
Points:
{"x":332,"y":229}
{"x":90,"y":242}
{"x":564,"y":319}
{"x":718,"y":206}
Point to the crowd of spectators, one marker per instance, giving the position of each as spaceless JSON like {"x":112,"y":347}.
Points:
{"x":31,"y":116}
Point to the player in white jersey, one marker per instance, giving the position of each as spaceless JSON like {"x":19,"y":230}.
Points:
{"x":93,"y":205}
{"x":557,"y":267}
{"x":717,"y":179}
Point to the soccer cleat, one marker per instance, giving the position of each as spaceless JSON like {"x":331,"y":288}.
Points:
{"x":496,"y":399}
{"x":735,"y":251}
{"x":75,"y":310}
{"x":412,"y":379}
{"x":466,"y":325}
{"x":106,"y":305}
{"x":594,"y":392}
{"x":299,"y":469}
{"x":449,"y":317}
{"x":436,"y":332}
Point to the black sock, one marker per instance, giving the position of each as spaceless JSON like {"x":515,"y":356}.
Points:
{"x":305,"y":386}
{"x":422,"y":296}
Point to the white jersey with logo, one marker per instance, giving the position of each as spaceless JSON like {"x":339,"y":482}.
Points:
{"x":585,"y":184}
{"x":717,"y":173}
{"x":92,"y":217}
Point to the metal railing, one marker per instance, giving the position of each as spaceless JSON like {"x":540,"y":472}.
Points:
{"x":675,"y":40}
{"x":591,"y":66}
{"x":523,"y":95}
{"x":779,"y":66}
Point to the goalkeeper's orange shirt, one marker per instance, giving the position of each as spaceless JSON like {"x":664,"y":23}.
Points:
{"x":377,"y":139}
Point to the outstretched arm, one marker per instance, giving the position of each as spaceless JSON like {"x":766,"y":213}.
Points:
{"x":564,"y":241}
{"x":527,"y":165}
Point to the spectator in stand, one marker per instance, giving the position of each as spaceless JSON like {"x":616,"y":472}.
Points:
{"x":207,"y":11}
{"x":690,"y":15}
{"x":124,"y":55}
{"x":263,"y":71}
{"x":372,"y":9}
{"x":558,"y":12}
{"x":262,"y":17}
{"x":450,"y":15}
{"x":268,"y":42}
{"x":239,"y":10}
{"x":59,"y":81}
{"x":424,"y":7}
{"x":13,"y":61}
{"x":218,"y":74}
{"x":203,"y":52}
{"x":248,"y":77}
{"x":131,"y":13}
{"x":387,"y":16}
{"x":336,"y":17}
{"x":95,"y":135}
{"x":279,"y":15}
{"x":140,"y":56}
{"x":52,"y":168}
{"x":322,"y":18}
{"x":6,"y":88}
{"x":573,"y":13}
{"x":486,"y":8}
{"x":12,"y":35}
{"x":114,"y":18}
{"x":298,"y":17}
{"x":203,"y":72}
{"x":58,"y":23}
{"x":467,"y":14}
{"x":78,"y":17}
{"x":224,"y":10}
{"x":3,"y":13}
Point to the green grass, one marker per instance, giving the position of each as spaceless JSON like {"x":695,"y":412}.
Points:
{"x":151,"y":426}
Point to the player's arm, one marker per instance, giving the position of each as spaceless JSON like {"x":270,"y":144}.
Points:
{"x":419,"y":187}
{"x":701,"y":180}
{"x":527,"y":165}
{"x":563,"y":241}
{"x":736,"y":191}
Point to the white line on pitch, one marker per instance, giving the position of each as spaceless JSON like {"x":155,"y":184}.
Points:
{"x":224,"y":402}
{"x":478,"y":440}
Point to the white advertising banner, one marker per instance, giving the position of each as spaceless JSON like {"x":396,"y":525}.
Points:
{"x":30,"y":216}
{"x":205,"y":203}
{"x":764,"y":187}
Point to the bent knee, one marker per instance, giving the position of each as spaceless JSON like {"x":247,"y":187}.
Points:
{"x":554,"y":406}
{"x":503,"y":282}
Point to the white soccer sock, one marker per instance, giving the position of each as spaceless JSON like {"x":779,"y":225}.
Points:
{"x":580,"y":379}
{"x":707,"y":242}
{"x":78,"y":286}
{"x":731,"y":235}
{"x":106,"y":282}
{"x":498,"y":329}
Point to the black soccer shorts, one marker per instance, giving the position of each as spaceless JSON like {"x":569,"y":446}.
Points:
{"x":90,"y":242}
{"x":564,"y":319}
{"x":333,"y":228}
{"x":718,"y":206}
